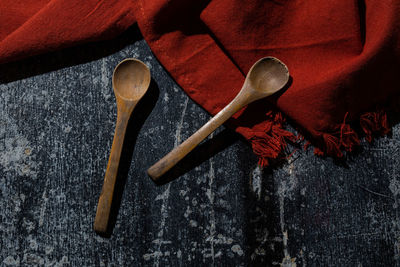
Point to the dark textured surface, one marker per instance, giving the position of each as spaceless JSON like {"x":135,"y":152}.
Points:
{"x":56,"y":127}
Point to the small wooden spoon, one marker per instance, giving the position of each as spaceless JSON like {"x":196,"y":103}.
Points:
{"x":265,"y":77}
{"x":131,"y":79}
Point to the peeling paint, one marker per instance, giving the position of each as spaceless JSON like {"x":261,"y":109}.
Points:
{"x":45,"y":199}
{"x":105,"y":80}
{"x":256,"y":181}
{"x":154,"y":255}
{"x":289,"y":185}
{"x":193,"y":223}
{"x":166,"y":97}
{"x":237,"y":249}
{"x":15,"y":149}
{"x":287,"y":261}
{"x":11,"y":261}
{"x":64,"y":261}
{"x":394,"y":187}
{"x":165,"y":195}
{"x":210,"y":196}
{"x":32,"y":259}
{"x":285,"y":190}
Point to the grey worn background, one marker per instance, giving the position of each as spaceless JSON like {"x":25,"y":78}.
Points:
{"x":57,"y":117}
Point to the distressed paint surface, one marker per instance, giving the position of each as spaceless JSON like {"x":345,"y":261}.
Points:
{"x":57,"y":117}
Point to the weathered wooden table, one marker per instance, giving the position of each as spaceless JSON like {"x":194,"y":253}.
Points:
{"x":56,"y":126}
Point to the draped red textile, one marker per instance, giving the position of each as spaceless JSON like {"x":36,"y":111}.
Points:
{"x":343,"y":56}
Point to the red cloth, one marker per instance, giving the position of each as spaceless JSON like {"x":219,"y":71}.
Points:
{"x":343,"y":56}
{"x":30,"y":27}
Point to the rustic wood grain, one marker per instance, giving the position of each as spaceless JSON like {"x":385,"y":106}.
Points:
{"x":131,"y":80}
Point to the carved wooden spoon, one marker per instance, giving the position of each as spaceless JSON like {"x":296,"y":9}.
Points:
{"x":265,"y":77}
{"x":131,"y":79}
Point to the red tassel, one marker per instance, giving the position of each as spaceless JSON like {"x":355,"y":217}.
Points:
{"x":374,"y":123}
{"x":332,"y":145}
{"x":348,"y":137}
{"x":306,"y":145}
{"x":318,"y":152}
{"x":271,"y":143}
{"x":344,"y":138}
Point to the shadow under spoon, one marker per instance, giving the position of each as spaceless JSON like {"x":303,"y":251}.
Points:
{"x":267,"y":76}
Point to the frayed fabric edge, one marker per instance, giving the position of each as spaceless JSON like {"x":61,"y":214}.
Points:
{"x":345,"y":138}
{"x":272,"y":143}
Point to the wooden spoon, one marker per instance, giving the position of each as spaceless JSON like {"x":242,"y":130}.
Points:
{"x":131,"y":79}
{"x":265,"y":77}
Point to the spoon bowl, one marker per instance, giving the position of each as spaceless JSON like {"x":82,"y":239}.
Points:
{"x":131,"y":80}
{"x":267,"y":76}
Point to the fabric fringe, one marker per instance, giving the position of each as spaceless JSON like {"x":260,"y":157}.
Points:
{"x":374,"y":123}
{"x":345,"y":138}
{"x":272,"y":143}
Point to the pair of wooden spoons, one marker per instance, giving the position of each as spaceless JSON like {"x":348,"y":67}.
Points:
{"x":131,"y":79}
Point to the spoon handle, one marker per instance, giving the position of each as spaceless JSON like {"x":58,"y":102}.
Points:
{"x":179,"y":152}
{"x":106,"y":196}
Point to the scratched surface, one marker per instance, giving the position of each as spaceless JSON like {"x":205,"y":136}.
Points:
{"x":57,"y":115}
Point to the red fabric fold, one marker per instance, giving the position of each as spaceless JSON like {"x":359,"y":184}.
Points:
{"x":32,"y":27}
{"x":343,"y":56}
